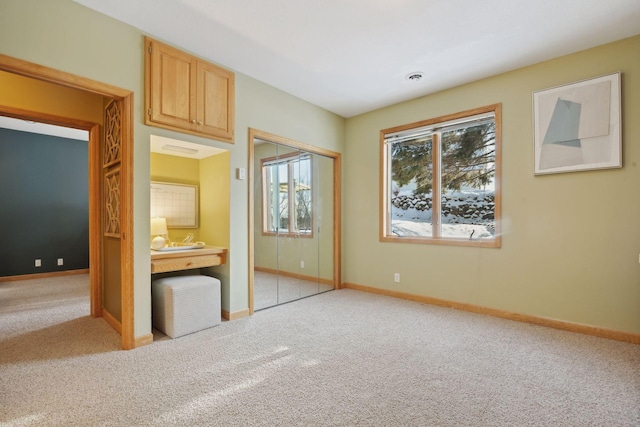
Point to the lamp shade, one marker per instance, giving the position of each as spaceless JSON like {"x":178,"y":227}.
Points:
{"x":158,"y":226}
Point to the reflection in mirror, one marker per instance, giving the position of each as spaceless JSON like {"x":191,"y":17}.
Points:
{"x":324,"y":177}
{"x":293,"y":232}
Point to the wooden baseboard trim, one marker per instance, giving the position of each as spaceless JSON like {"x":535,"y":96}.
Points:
{"x":235,"y":315}
{"x":294,"y":275}
{"x":43,"y":275}
{"x":518,"y":317}
{"x":112,"y":321}
{"x":143,"y":340}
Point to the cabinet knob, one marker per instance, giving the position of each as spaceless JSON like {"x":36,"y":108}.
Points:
{"x":193,"y":121}
{"x":200,"y":123}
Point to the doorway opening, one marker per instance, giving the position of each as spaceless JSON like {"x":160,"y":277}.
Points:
{"x":45,"y":179}
{"x":110,"y":182}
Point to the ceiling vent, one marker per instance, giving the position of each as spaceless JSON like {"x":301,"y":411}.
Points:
{"x":415,"y":76}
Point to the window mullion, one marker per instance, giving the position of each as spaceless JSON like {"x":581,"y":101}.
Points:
{"x":266,"y":201}
{"x":388,"y":189}
{"x":275,"y":199}
{"x":291,"y":198}
{"x":435,"y":187}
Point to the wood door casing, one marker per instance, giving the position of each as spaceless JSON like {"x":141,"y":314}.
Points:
{"x":336,"y":157}
{"x":110,"y":207}
{"x":125,"y":98}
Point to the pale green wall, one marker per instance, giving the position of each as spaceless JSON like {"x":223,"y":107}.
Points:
{"x":570,"y":242}
{"x":270,"y":110}
{"x":66,"y":36}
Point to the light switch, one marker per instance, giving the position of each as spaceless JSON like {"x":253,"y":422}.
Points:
{"x":240,"y":173}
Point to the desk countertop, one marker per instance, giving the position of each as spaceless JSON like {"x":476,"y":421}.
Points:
{"x":207,"y":250}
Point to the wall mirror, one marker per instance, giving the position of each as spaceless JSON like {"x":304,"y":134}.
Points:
{"x":294,"y":237}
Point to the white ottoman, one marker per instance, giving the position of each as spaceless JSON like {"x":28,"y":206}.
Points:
{"x":185,"y":304}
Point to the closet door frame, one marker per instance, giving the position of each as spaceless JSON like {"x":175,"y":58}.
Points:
{"x":337,"y":207}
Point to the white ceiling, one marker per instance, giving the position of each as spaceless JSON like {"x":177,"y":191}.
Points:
{"x":42,"y":128}
{"x":352,"y":56}
{"x":180,"y":148}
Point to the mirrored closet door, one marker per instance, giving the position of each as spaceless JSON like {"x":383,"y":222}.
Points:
{"x":293,"y":223}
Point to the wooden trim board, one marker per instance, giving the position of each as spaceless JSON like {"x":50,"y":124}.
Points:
{"x":337,"y":202}
{"x":227,"y":315}
{"x":112,"y":321}
{"x":43,"y":275}
{"x":294,"y":275}
{"x":518,"y":317}
{"x":39,"y":72}
{"x":144,"y":340}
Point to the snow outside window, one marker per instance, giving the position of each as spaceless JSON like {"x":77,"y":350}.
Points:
{"x":441,"y":180}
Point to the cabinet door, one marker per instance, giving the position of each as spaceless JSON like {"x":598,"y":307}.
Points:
{"x":215,"y":101}
{"x":173,"y":87}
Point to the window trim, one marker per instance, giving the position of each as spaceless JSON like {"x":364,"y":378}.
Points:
{"x":287,"y":158}
{"x":384,"y":200}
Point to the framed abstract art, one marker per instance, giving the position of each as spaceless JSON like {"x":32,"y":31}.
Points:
{"x":577,"y":126}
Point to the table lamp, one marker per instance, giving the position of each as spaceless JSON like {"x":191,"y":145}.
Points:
{"x":158,"y":229}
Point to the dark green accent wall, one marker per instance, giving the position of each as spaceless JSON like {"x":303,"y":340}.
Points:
{"x":44,"y":203}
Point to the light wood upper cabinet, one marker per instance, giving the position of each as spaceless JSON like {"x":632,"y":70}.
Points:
{"x":187,"y":94}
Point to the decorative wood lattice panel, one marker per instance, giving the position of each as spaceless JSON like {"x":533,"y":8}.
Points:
{"x":112,"y":192}
{"x":113,"y":133}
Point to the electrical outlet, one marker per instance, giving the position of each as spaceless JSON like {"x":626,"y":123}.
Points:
{"x":38,"y":263}
{"x":301,"y":264}
{"x":396,"y":277}
{"x":60,"y":261}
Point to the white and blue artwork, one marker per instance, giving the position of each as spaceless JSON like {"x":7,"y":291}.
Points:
{"x":577,"y":126}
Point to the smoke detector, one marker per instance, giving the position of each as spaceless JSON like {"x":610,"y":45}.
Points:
{"x":416,"y":76}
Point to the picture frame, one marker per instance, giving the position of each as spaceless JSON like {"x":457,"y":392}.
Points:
{"x":577,"y":126}
{"x":178,"y":203}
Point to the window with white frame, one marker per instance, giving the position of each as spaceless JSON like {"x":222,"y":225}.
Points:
{"x":441,"y":180}
{"x":286,"y":195}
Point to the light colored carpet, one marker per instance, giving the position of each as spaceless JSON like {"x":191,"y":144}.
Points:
{"x":272,"y":289}
{"x":342,"y":358}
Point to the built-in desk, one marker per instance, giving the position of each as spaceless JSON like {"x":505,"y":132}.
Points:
{"x":176,"y":260}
